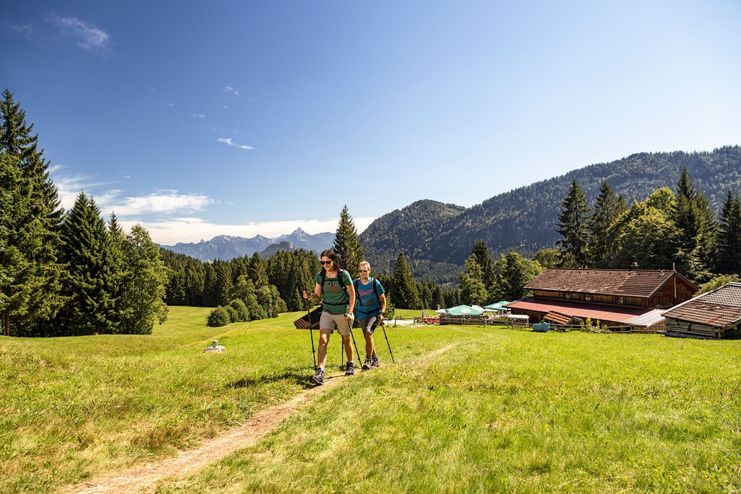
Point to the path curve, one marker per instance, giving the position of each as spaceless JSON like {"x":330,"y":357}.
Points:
{"x":143,"y":478}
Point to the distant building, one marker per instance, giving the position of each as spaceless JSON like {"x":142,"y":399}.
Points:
{"x":617,"y":297}
{"x":711,"y":315}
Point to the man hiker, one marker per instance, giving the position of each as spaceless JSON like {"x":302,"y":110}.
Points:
{"x":334,"y":287}
{"x":369,"y":310}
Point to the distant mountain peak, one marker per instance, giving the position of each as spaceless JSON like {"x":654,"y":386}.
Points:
{"x":226,"y":247}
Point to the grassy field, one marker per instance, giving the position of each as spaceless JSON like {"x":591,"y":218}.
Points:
{"x":503,"y":411}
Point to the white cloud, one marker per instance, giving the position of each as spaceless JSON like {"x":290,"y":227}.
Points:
{"x":88,"y":36}
{"x":228,"y":141}
{"x":68,"y":188}
{"x":198,"y":115}
{"x":110,"y":199}
{"x":165,"y":201}
{"x":195,"y":229}
{"x":229,"y":89}
{"x":25,"y":30}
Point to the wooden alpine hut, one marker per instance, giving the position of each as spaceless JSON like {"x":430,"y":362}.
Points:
{"x":715,"y":314}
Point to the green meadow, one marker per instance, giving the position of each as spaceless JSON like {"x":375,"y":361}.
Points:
{"x":502,"y":410}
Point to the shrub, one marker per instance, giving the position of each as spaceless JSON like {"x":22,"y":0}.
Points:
{"x":219,"y":317}
{"x":242,"y":313}
{"x":233,"y":314}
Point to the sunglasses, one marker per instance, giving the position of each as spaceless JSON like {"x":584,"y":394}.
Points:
{"x":362,"y":270}
{"x":325,"y":262}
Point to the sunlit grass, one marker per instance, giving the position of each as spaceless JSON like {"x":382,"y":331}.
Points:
{"x":74,"y":407}
{"x":503,"y":411}
{"x":513,"y":411}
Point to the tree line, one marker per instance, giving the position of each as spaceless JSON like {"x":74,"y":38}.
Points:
{"x":667,"y":230}
{"x":66,"y":273}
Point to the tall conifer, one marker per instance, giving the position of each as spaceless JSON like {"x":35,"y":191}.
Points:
{"x":607,"y":208}
{"x":404,"y":289}
{"x":728,"y":259}
{"x":572,"y":225}
{"x":346,"y":243}
{"x":40,"y":242}
{"x":90,"y":278}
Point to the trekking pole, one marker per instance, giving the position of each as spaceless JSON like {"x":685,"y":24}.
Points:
{"x":311,"y":332}
{"x":383,"y":326}
{"x":354,"y":344}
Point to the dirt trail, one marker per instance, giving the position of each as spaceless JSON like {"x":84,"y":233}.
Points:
{"x":142,"y":478}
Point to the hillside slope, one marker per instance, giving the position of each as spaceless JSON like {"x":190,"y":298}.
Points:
{"x":525,"y":219}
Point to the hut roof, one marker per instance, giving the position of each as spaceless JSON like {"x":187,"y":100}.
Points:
{"x":720,"y":308}
{"x":624,"y":282}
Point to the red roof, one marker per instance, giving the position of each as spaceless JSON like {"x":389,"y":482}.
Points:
{"x":624,"y":282}
{"x":575,"y":309}
{"x":719,"y":308}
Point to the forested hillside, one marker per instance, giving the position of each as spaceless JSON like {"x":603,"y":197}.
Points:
{"x":525,"y":219}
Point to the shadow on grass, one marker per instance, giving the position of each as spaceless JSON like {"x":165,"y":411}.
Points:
{"x":298,"y":375}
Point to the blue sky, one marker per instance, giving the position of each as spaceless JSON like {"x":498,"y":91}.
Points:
{"x":245,"y":117}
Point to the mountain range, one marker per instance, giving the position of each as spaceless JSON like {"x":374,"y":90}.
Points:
{"x":437,"y":237}
{"x":227,"y":247}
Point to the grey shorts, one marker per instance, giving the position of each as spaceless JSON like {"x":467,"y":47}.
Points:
{"x":368,"y":325}
{"x":329,"y":322}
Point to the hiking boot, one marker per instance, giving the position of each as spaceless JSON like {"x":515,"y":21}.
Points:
{"x":367,"y":363}
{"x":375,"y":362}
{"x":350,"y":368}
{"x":318,"y":377}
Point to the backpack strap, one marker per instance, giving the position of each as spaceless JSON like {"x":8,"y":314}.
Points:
{"x":340,"y":280}
{"x":356,"y":284}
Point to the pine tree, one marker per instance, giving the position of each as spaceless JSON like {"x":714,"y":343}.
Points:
{"x":438,"y":299}
{"x":404,"y":289}
{"x":572,"y":225}
{"x":728,"y":258}
{"x":142,"y":286}
{"x":257,"y":271}
{"x":473,"y":290}
{"x":222,"y":282}
{"x":696,"y":221}
{"x":90,"y":279}
{"x":40,"y":243}
{"x":607,"y":208}
{"x":481,"y":252}
{"x":15,"y":289}
{"x":346,"y":243}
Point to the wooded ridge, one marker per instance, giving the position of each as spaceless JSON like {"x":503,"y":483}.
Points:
{"x":524,"y":219}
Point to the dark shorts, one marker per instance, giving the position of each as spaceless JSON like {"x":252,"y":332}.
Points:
{"x":368,"y":325}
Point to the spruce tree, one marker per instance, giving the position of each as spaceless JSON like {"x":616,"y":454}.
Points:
{"x":40,"y":222}
{"x":607,"y":208}
{"x":257,"y":271}
{"x":90,"y":277}
{"x":15,"y":286}
{"x":695,"y":219}
{"x":346,"y":243}
{"x":728,"y":258}
{"x":572,"y":225}
{"x":481,"y":252}
{"x":404,"y":289}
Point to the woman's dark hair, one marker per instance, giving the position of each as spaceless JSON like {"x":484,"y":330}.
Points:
{"x":332,"y":257}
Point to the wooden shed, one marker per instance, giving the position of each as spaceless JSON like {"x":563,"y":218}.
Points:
{"x":715,"y":314}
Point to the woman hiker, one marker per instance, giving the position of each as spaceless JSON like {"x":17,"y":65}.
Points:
{"x":369,"y":310}
{"x":335,"y":289}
